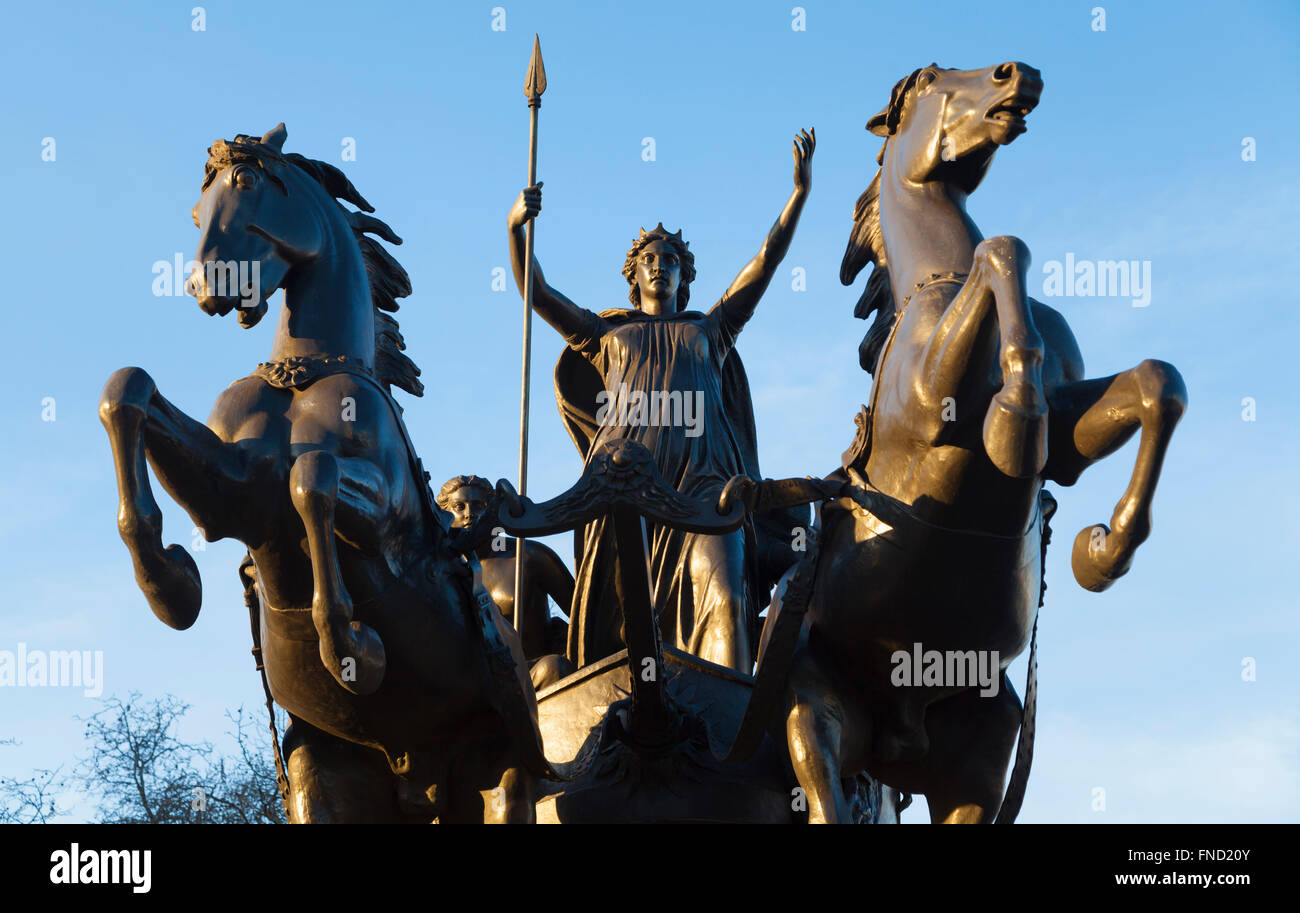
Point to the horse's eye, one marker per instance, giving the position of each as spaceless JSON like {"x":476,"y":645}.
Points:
{"x":925,"y":79}
{"x":244,"y":178}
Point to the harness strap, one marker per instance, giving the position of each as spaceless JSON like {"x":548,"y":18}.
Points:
{"x":778,"y":494}
{"x":790,"y":605}
{"x":252,"y":601}
{"x":1019,"y":778}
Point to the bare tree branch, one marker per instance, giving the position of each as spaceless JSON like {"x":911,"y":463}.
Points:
{"x":31,"y":801}
{"x":141,"y":772}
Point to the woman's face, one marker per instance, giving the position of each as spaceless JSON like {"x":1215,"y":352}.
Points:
{"x":658,"y":273}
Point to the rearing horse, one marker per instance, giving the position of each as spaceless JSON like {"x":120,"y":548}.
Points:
{"x":408,"y":699}
{"x":978,"y":399}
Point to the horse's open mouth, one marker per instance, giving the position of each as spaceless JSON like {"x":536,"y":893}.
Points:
{"x":1013,"y":110}
{"x":218,"y":305}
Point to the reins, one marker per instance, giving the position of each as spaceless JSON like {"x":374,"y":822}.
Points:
{"x":253,"y":602}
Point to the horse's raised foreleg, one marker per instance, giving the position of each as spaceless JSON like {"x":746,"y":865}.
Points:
{"x":168,"y":577}
{"x":1015,"y":423}
{"x":350,"y":650}
{"x":1091,"y":419}
{"x":210,"y":478}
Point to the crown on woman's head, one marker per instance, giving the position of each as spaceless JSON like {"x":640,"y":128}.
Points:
{"x":660,"y":232}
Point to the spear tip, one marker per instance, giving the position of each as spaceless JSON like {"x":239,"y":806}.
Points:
{"x":535,"y":82}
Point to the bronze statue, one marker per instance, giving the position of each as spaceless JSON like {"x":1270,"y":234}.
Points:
{"x":467,"y":499}
{"x":670,"y":379}
{"x":381,"y":614}
{"x":979,"y":397}
{"x":407,"y":691}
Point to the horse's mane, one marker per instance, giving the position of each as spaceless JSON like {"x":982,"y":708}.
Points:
{"x":867,"y":244}
{"x":388,"y":279}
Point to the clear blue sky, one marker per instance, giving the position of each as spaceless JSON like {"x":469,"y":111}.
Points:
{"x":1134,"y":153}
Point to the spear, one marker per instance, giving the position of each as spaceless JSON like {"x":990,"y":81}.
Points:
{"x":534,"y":86}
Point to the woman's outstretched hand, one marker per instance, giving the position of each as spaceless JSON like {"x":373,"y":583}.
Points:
{"x":526,"y":207}
{"x":804,"y":144}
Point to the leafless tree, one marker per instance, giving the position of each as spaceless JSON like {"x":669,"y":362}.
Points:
{"x":33,"y":800}
{"x":141,"y":772}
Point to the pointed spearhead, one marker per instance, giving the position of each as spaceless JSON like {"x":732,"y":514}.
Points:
{"x":535,"y":83}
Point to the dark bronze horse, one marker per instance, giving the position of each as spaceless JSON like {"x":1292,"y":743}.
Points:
{"x":408,"y":699}
{"x":979,"y":398}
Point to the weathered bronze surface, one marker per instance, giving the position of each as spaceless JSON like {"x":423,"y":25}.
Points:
{"x":979,"y":398}
{"x":661,"y":752}
{"x":407,"y":698}
{"x":382,"y":616}
{"x":707,"y":588}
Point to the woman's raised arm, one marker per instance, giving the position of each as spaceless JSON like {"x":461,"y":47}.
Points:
{"x":738,"y":303}
{"x":577,"y":325}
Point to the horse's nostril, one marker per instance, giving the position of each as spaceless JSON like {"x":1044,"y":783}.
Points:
{"x":1004,"y":71}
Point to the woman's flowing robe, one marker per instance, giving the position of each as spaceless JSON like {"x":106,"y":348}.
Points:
{"x":706,"y":589}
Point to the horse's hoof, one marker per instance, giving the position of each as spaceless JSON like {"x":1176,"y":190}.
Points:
{"x":359,"y":662}
{"x":170,"y":582}
{"x":1098,"y":558}
{"x":1015,"y":433}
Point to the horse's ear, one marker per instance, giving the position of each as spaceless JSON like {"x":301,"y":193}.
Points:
{"x":879,"y":125}
{"x":275,"y":137}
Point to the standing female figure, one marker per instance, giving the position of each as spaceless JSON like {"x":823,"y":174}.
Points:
{"x":668,"y":378}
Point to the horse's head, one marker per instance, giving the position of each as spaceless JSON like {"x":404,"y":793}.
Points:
{"x":946,"y":124}
{"x":269,"y":220}
{"x":251,"y":234}
{"x":262,"y":214}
